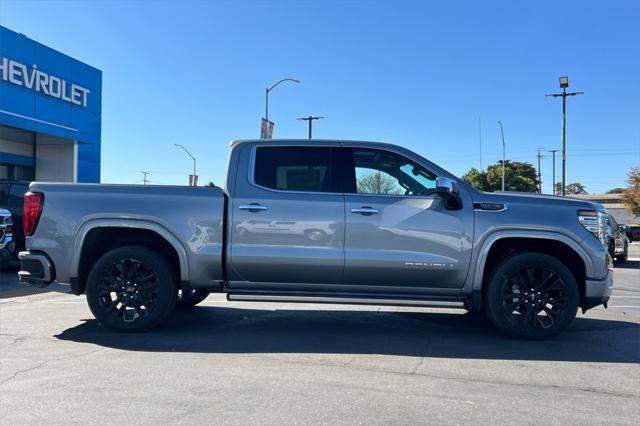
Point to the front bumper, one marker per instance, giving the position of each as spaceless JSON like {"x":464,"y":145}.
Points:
{"x":36,"y":269}
{"x":597,"y":292}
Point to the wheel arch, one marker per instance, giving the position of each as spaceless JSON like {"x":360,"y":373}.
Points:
{"x":500,"y":244}
{"x":96,"y":237}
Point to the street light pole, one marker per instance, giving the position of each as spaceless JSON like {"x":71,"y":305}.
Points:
{"x":564,"y":83}
{"x":266,"y":95}
{"x":503,"y":152}
{"x":310,"y":120}
{"x":194,"y":163}
{"x":553,"y":152}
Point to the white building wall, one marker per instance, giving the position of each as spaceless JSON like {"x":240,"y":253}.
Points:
{"x":55,"y":162}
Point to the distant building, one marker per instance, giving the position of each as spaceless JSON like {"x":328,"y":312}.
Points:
{"x":614,"y":205}
{"x":50,"y":113}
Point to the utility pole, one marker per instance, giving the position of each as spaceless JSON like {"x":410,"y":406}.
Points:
{"x":310,"y":120}
{"x":503,"y":152}
{"x":144,"y":179}
{"x":564,"y":83}
{"x":540,"y":156}
{"x":480,"y":137}
{"x":553,"y":152}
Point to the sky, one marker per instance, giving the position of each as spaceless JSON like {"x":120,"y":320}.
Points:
{"x":433,"y":76}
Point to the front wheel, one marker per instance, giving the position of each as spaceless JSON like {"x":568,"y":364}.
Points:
{"x":531,"y":296}
{"x":131,"y":289}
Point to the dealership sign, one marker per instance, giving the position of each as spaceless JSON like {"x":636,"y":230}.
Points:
{"x":41,"y":82}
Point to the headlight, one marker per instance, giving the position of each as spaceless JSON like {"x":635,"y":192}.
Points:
{"x":595,"y":222}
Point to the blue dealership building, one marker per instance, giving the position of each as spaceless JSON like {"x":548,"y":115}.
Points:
{"x":50,"y":113}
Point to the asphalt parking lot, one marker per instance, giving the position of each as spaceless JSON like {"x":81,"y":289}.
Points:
{"x":268,"y":363}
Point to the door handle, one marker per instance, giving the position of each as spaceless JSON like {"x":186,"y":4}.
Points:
{"x":365,"y":210}
{"x":254,"y":207}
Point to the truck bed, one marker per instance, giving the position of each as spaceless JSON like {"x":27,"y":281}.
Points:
{"x":190,"y":218}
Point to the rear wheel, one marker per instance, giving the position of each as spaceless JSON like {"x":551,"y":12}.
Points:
{"x":131,"y":289}
{"x":194,"y":297}
{"x":531,"y":296}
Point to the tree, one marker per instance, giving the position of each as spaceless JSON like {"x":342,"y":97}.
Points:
{"x":210,"y":185}
{"x":615,"y":191}
{"x":631,"y":196}
{"x":517,"y":177}
{"x":376,"y":182}
{"x":575,"y":188}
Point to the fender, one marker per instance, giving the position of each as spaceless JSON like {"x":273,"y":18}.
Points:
{"x":489,"y":240}
{"x":133,"y":223}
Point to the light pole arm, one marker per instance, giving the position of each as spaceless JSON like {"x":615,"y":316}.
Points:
{"x":266,"y":96}
{"x":282,"y":81}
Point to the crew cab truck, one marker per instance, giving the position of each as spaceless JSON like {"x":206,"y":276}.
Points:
{"x":321,"y":222}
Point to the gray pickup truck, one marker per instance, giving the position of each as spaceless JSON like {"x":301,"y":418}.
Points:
{"x":321,"y":222}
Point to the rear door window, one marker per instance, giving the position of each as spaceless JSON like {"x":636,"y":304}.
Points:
{"x":295,"y":168}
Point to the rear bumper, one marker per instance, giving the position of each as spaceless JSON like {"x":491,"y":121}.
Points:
{"x":597,"y":292}
{"x":36,"y":269}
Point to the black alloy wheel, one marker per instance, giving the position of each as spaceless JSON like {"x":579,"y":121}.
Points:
{"x":534,"y":298}
{"x":531,"y":295}
{"x":131,"y":289}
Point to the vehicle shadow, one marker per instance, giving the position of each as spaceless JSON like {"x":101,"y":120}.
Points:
{"x":444,"y":335}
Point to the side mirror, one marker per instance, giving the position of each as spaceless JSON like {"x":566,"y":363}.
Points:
{"x":445,"y":186}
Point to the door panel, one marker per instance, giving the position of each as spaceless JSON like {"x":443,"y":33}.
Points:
{"x":411,"y":242}
{"x":398,"y":232}
{"x":287,"y":233}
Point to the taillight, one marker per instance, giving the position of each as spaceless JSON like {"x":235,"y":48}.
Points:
{"x":31,"y":213}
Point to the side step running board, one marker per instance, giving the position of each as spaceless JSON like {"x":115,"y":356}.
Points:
{"x":344,"y":300}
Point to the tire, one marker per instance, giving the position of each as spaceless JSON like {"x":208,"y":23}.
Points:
{"x":131,"y":289}
{"x":196,"y":296}
{"x":625,"y":254}
{"x":515,"y":310}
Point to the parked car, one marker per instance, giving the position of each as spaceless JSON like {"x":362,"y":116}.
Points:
{"x":618,"y":242}
{"x":633,"y":232}
{"x":7,"y":244}
{"x":425,"y":239}
{"x":11,"y":198}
